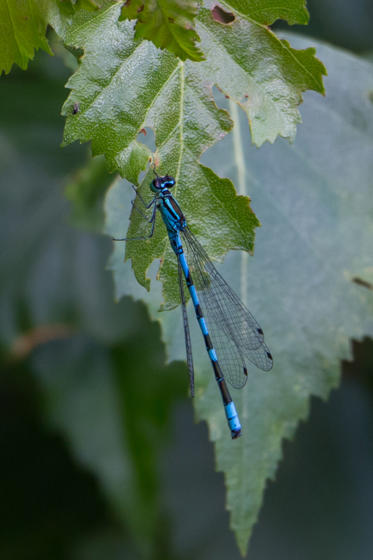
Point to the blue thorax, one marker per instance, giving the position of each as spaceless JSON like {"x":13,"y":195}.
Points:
{"x":170,"y":210}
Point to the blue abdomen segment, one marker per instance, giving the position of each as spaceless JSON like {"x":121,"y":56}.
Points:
{"x":233,"y":420}
{"x":230,"y":409}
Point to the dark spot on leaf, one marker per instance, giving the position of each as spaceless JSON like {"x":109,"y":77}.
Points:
{"x":364,"y":283}
{"x":171,"y":20}
{"x":269,"y":355}
{"x":221,"y":16}
{"x":128,"y":3}
{"x":260,"y":331}
{"x":245,"y":371}
{"x":76,"y":108}
{"x":143,"y":131}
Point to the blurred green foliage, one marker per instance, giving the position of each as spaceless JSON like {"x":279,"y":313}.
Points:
{"x":54,"y":502}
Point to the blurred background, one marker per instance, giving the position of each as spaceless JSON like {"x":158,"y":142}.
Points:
{"x":59,"y":323}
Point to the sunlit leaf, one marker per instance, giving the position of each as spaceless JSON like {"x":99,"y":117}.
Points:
{"x":168,"y":23}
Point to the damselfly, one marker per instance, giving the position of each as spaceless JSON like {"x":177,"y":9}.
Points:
{"x":232,"y":336}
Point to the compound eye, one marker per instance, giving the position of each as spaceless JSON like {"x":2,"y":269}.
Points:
{"x":155,"y":185}
{"x":170,"y":181}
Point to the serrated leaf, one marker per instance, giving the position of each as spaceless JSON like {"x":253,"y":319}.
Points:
{"x":169,"y":24}
{"x":266,"y":77}
{"x":268,"y":11}
{"x":23,"y":26}
{"x":22,"y":31}
{"x":314,"y":201}
{"x":268,"y":87}
{"x":123,"y":86}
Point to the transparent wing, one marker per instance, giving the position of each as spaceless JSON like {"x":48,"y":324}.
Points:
{"x":235,"y":334}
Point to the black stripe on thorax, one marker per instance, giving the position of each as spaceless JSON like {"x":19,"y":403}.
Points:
{"x":171,"y":205}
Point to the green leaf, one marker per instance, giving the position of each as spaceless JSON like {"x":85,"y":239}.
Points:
{"x":268,"y":88}
{"x":124,"y":86}
{"x":314,"y":201}
{"x":268,"y":11}
{"x":23,"y":26}
{"x":121,"y":80}
{"x":168,"y":23}
{"x":22,"y":32}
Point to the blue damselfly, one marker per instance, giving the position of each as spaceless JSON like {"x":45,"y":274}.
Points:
{"x":232,"y":336}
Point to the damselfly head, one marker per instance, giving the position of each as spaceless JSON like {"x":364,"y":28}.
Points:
{"x":162,"y":183}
